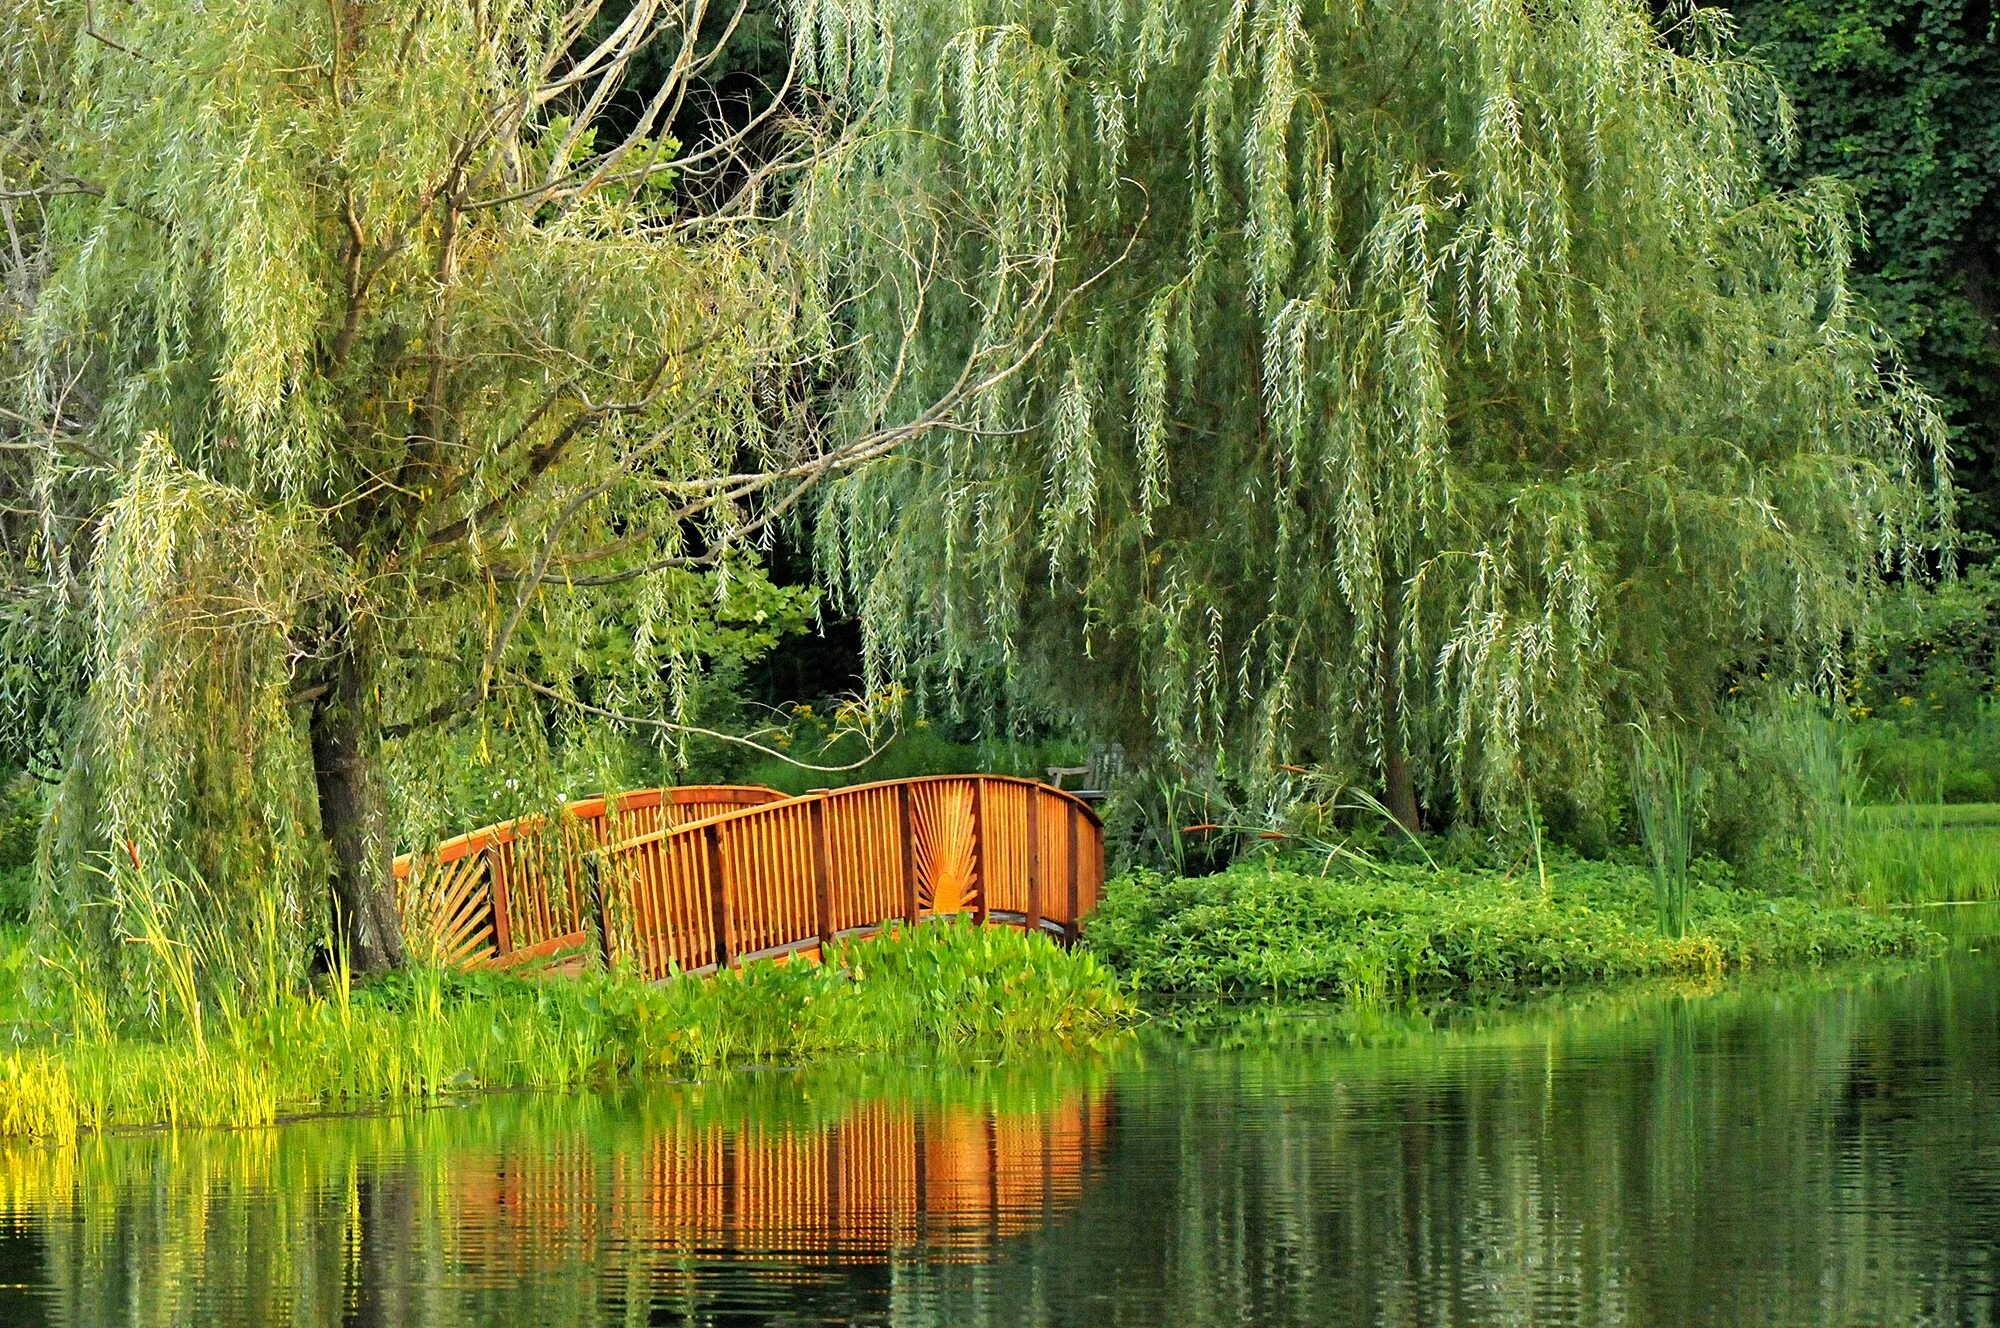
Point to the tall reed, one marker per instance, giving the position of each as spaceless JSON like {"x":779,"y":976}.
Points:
{"x":1667,"y":787}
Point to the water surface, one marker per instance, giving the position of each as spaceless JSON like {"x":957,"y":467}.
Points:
{"x":1821,"y":1150}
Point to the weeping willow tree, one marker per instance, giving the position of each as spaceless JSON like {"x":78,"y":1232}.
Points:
{"x":1448,"y":387}
{"x":379,"y":356}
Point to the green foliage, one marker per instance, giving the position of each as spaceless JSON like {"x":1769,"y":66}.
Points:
{"x":516,"y":760}
{"x":1901,"y":100}
{"x":1668,"y":782}
{"x":1927,"y":720}
{"x":1933,"y":657}
{"x":1443,"y":380}
{"x":1901,"y":761}
{"x":20,"y":823}
{"x":1372,"y":932}
{"x":1780,"y":781}
{"x":948,"y":991}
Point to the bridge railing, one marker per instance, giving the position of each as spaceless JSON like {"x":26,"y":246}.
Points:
{"x":793,"y":875}
{"x":692,"y":878}
{"x":514,"y":892}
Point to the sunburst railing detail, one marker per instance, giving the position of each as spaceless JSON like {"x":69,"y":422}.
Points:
{"x":516,"y":892}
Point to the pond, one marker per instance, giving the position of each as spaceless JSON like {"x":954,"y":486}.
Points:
{"x":1814,"y":1150}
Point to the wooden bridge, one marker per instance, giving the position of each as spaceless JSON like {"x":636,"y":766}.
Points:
{"x":691,"y":879}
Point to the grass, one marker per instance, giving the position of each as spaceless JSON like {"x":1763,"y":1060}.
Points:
{"x":1935,"y":815}
{"x":1921,"y":853}
{"x":937,"y":990}
{"x":1370,"y":931}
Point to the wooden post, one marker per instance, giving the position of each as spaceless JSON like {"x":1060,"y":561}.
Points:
{"x":496,"y":877}
{"x":981,"y":865}
{"x":822,"y":873}
{"x":1034,"y":860}
{"x":1075,"y":925}
{"x":718,"y":894}
{"x":908,"y":831}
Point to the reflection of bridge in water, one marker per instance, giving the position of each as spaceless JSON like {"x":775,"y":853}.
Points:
{"x":883,"y":1180}
{"x":741,"y":1201}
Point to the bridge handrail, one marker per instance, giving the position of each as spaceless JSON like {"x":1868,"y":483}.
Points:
{"x":1082,"y":806}
{"x":790,"y":876}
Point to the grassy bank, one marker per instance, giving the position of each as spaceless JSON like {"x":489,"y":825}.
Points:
{"x":1368,"y":932}
{"x":940,"y":990}
{"x":1919,"y":853}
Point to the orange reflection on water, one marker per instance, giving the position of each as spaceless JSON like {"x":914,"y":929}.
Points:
{"x":882,"y":1179}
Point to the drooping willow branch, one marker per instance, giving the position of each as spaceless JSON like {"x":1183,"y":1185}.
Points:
{"x":875,"y":749}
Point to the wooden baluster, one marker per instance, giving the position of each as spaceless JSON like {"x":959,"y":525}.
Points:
{"x":1075,"y":923}
{"x":908,"y":831}
{"x":822,"y":872}
{"x":718,"y":894}
{"x":1034,"y":860}
{"x":981,"y":862}
{"x":496,"y":878}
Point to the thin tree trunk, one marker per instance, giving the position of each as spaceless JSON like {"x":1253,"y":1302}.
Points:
{"x":354,"y":817}
{"x":1399,"y":786}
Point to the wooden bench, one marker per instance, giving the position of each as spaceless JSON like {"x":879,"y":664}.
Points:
{"x":1105,"y":766}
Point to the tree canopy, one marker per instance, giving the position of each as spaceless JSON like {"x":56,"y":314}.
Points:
{"x":1448,"y":386}
{"x":372,"y":362}
{"x":1901,"y":100}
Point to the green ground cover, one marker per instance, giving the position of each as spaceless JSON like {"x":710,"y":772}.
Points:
{"x":945,"y":991}
{"x":1370,"y":931}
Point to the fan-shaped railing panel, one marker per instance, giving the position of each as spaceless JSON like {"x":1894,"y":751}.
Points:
{"x":688,"y":879}
{"x":516,"y":892}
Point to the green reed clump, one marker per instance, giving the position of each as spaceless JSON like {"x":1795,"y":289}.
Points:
{"x":938,"y":990}
{"x":1667,"y":784}
{"x":1369,"y":931}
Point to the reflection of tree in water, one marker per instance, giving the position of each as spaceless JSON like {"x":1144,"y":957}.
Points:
{"x":1817,"y":1152}
{"x":730,"y":1204}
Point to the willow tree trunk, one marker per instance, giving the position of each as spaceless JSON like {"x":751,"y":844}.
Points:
{"x":1399,"y":785}
{"x":354,"y":816}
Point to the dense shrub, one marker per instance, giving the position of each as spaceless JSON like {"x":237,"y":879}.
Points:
{"x":1367,"y":931}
